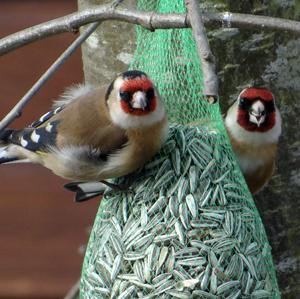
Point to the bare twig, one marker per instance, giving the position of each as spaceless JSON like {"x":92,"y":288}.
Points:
{"x":17,"y":110}
{"x":74,"y":291}
{"x":206,"y":56}
{"x":150,"y":20}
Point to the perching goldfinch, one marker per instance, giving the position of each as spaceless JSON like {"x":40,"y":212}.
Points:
{"x":253,"y":123}
{"x":94,"y":134}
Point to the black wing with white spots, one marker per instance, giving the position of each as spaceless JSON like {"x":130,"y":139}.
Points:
{"x":46,"y":117}
{"x":35,"y":139}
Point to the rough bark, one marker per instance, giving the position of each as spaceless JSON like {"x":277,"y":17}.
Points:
{"x":109,"y":49}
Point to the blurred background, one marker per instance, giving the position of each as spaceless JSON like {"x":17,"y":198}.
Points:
{"x":41,"y":227}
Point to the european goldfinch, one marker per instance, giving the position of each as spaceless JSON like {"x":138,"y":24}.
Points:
{"x":253,"y":123}
{"x":93,"y":134}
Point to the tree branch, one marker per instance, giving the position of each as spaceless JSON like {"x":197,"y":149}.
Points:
{"x":150,"y":20}
{"x":206,"y":56}
{"x":17,"y":109}
{"x":73,"y":293}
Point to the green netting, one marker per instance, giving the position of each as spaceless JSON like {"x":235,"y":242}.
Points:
{"x":188,"y":227}
{"x":171,"y":60}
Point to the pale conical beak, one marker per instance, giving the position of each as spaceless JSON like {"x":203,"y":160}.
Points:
{"x":257,"y":113}
{"x":139,"y":100}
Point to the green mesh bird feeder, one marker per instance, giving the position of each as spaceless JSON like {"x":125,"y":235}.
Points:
{"x":188,"y":227}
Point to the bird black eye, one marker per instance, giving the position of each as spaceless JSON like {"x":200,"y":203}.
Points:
{"x":124,"y":95}
{"x":150,"y":93}
{"x":270,"y":106}
{"x":244,"y":103}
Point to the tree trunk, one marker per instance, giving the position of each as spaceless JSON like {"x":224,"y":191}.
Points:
{"x":108,"y":50}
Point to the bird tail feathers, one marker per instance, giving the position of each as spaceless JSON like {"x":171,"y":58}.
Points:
{"x":86,"y":190}
{"x":6,"y":157}
{"x":4,"y":136}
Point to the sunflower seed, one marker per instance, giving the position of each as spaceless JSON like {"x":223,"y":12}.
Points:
{"x":158,"y":205}
{"x":133,"y":256}
{"x":102,"y":291}
{"x":154,"y":164}
{"x":224,"y":287}
{"x":181,"y":141}
{"x":234,"y":295}
{"x":249,"y":264}
{"x":144,"y":216}
{"x":213,"y":282}
{"x":169,"y":146}
{"x":166,"y":165}
{"x":115,"y":288}
{"x":198,"y":294}
{"x":142,"y":285}
{"x":176,"y":161}
{"x":180,"y":232}
{"x":223,"y":199}
{"x":164,"y":180}
{"x":162,"y":257}
{"x":116,"y":267}
{"x":117,"y":244}
{"x":179,"y":294}
{"x":173,"y":206}
{"x":260,"y":294}
{"x":124,"y":209}
{"x":161,"y":278}
{"x":126,"y":293}
{"x":193,"y":180}
{"x":208,"y":168}
{"x":186,"y":165}
{"x":195,"y":261}
{"x":171,"y":260}
{"x":187,"y":251}
{"x":190,"y":201}
{"x":201,"y":245}
{"x":164,"y":238}
{"x":143,"y":240}
{"x":182,"y":188}
{"x":222,"y":177}
{"x":205,"y":197}
{"x":206,"y":278}
{"x":188,"y":283}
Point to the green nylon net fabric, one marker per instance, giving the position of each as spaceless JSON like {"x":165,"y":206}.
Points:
{"x":188,"y":226}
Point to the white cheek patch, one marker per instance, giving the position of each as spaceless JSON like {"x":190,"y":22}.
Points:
{"x":126,"y":120}
{"x":118,"y":83}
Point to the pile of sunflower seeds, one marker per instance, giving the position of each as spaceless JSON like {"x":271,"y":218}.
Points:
{"x":186,"y":228}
